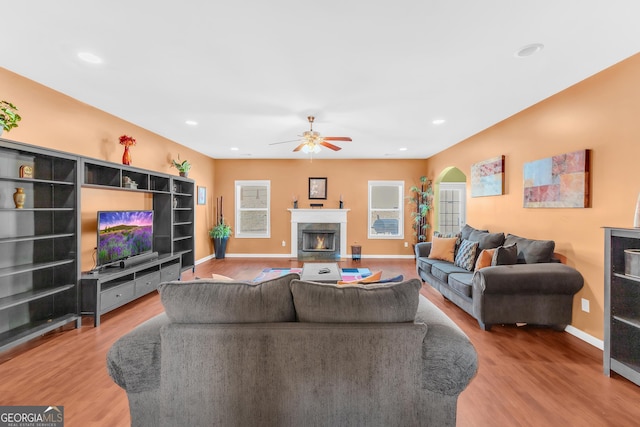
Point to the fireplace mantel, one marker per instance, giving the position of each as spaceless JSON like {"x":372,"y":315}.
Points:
{"x":315,"y":216}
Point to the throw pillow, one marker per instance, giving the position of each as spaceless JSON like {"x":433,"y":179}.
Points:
{"x":377,"y":303}
{"x":212,"y":301}
{"x":448,"y":236}
{"x":487,"y":240}
{"x":505,"y":255}
{"x":532,"y":251}
{"x":466,"y":255}
{"x":443,"y":248}
{"x":466,"y":231}
{"x":372,"y":278}
{"x":485,"y":258}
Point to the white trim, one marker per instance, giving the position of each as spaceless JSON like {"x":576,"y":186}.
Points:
{"x":239,"y":184}
{"x":399,"y":209}
{"x":589,"y":339}
{"x":347,"y":257}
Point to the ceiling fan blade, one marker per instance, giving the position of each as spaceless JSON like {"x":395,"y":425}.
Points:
{"x":337,"y":138}
{"x":330,"y":146}
{"x":299,"y":147}
{"x":284,"y":142}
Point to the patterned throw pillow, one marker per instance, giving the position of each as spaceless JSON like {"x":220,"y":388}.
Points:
{"x":448,"y":236}
{"x":466,"y":255}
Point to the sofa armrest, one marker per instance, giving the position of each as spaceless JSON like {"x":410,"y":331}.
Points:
{"x":449,"y":360}
{"x":542,"y":278}
{"x":133,"y":361}
{"x":422,"y":249}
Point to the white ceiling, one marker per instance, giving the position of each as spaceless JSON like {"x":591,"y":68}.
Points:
{"x":251,"y":71}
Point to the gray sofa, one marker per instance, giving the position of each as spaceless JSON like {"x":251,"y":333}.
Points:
{"x":292,"y":353}
{"x":532,"y":287}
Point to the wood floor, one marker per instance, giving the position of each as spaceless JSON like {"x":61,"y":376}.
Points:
{"x":527,"y":376}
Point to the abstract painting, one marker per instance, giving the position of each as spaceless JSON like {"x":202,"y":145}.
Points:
{"x":560,"y":181}
{"x":487,"y":177}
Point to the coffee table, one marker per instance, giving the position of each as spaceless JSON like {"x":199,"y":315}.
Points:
{"x":324,"y":272}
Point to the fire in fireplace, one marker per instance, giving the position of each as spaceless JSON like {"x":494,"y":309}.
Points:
{"x":318,"y":241}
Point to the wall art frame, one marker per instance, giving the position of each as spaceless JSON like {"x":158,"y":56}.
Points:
{"x":317,"y":188}
{"x":202,"y":195}
{"x":561,"y":181}
{"x":487,"y":177}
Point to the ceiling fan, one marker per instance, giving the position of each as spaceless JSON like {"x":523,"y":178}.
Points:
{"x":312,"y":140}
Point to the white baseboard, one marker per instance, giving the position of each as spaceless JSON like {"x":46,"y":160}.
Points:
{"x":290,"y":257}
{"x":598,"y":343}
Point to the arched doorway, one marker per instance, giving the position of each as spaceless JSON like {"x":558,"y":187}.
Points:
{"x":450,"y":196}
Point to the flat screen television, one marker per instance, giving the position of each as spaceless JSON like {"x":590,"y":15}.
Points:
{"x":123,"y":234}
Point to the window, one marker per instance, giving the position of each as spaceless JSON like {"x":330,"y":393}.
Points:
{"x":386,"y":211}
{"x":451,"y":206}
{"x":252,"y":209}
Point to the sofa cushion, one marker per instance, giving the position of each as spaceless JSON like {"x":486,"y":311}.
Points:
{"x":442,"y":270}
{"x":209,"y":301}
{"x":466,"y":255}
{"x":443,"y":248}
{"x":461,"y":283}
{"x":531,"y":251}
{"x":485,"y":258}
{"x":487,"y":240}
{"x":458,"y":236}
{"x":505,"y":255}
{"x":377,"y":303}
{"x":467,"y":230}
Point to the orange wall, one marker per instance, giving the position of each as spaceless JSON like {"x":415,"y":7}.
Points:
{"x":602,"y":114}
{"x":53,"y":120}
{"x":291,"y":178}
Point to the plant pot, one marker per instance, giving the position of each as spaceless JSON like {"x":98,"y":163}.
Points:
{"x":220,"y":246}
{"x":185,"y":174}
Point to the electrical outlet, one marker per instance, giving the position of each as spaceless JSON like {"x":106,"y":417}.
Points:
{"x":406,"y":244}
{"x":585,"y":305}
{"x":284,"y":243}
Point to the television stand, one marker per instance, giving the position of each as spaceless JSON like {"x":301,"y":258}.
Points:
{"x":109,"y":289}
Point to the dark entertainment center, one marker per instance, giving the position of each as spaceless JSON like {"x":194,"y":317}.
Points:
{"x":41,"y":286}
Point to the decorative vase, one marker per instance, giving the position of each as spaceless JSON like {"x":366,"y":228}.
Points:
{"x":126,"y":156}
{"x":18,"y":197}
{"x":220,"y":246}
{"x":295,"y":204}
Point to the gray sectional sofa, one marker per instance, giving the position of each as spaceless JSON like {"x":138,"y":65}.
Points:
{"x":292,"y":353}
{"x":523,"y":284}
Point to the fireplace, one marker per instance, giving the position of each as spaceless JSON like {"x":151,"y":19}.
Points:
{"x":318,"y":234}
{"x":318,"y":241}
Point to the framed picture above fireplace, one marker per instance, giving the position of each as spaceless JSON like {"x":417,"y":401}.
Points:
{"x":317,"y":188}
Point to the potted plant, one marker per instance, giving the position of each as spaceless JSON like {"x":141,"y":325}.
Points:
{"x":9,"y":117}
{"x":183,"y":166}
{"x":422,"y":198}
{"x":220,"y":234}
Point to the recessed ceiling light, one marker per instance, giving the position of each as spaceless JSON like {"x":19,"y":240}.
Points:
{"x":90,"y":57}
{"x":528,"y":50}
{"x":191,"y":122}
{"x":438,"y":121}
{"x":234,"y":149}
{"x":403,"y":148}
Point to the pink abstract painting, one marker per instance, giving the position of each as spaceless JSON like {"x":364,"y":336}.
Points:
{"x":560,"y":181}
